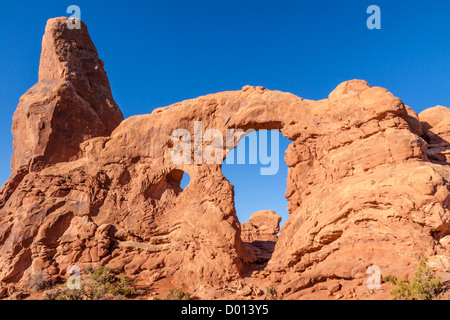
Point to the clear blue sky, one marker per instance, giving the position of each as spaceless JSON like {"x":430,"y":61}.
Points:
{"x":159,"y":52}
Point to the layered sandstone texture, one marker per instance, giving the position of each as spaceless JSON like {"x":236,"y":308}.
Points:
{"x":71,"y":103}
{"x":260,"y":234}
{"x":368,"y":183}
{"x":262,"y":226}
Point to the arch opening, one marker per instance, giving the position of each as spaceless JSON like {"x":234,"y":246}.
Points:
{"x":185,"y":180}
{"x":259,"y":194}
{"x":175,"y":181}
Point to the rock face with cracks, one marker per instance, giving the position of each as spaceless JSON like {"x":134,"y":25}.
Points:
{"x":71,"y":103}
{"x":260,"y":234}
{"x":367,"y":182}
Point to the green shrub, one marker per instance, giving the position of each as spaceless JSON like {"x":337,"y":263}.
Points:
{"x":102,"y":283}
{"x":402,"y":290}
{"x":389,"y":279}
{"x":125,"y":285}
{"x":271,"y":293}
{"x":64,"y":294}
{"x":103,"y":275}
{"x":177,"y":294}
{"x":425,"y":285}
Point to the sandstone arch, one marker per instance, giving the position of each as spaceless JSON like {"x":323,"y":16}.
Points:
{"x":361,"y":191}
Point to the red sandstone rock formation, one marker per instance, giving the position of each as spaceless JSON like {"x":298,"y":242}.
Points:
{"x":261,"y":234}
{"x":365,"y":184}
{"x":71,"y":103}
{"x":262,"y":226}
{"x":436,"y":124}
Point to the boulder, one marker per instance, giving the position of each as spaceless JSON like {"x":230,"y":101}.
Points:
{"x":262,"y":226}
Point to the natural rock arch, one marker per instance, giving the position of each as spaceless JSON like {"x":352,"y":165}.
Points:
{"x":359,"y":172}
{"x":256,"y":168}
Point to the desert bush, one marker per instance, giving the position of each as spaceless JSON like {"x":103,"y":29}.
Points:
{"x":271,"y":293}
{"x":402,"y":290}
{"x":125,"y":285}
{"x":389,"y":279}
{"x":39,"y":281}
{"x":103,"y":275}
{"x":425,"y":285}
{"x":64,"y":294}
{"x":178,"y":294}
{"x":102,"y":283}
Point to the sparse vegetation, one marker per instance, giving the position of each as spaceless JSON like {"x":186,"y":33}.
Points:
{"x":271,"y":293}
{"x":425,"y":285}
{"x":389,"y":279}
{"x":102,"y":274}
{"x":176,"y":294}
{"x":61,"y":293}
{"x":39,"y":281}
{"x":101,"y":283}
